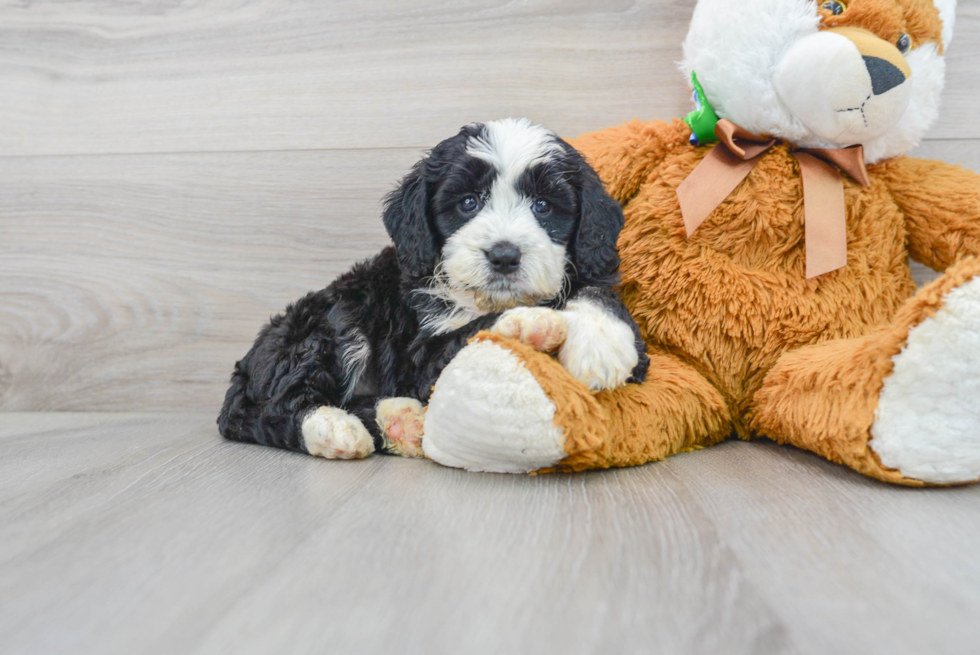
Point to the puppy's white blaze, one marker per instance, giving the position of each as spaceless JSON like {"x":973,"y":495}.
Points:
{"x":332,"y":433}
{"x":600,"y":349}
{"x":512,"y":145}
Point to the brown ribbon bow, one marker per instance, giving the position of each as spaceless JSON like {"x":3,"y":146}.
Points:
{"x":730,"y":162}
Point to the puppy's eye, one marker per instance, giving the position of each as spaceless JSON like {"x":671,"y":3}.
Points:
{"x":904,"y":44}
{"x":469,"y":204}
{"x":541,"y":207}
{"x":836,"y":8}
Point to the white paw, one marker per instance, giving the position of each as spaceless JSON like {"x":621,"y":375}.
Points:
{"x":334,"y":434}
{"x":600,"y":350}
{"x":401,"y":420}
{"x":538,"y":327}
{"x":488,"y":413}
{"x":927,"y":425}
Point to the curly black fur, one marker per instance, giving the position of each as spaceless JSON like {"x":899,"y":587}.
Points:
{"x":363,"y":338}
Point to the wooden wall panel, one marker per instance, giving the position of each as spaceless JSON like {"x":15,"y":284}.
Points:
{"x":135,"y":282}
{"x":231,"y":75}
{"x":173,"y":173}
{"x":278,"y":74}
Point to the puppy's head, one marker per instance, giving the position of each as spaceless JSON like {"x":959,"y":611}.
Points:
{"x":507,"y":212}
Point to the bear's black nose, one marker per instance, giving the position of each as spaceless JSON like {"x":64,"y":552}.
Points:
{"x":885,"y":75}
{"x":504,"y":257}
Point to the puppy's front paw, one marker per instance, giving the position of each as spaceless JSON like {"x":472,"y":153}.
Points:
{"x":334,"y":434}
{"x":538,"y":327}
{"x":600,"y":350}
{"x":401,"y":421}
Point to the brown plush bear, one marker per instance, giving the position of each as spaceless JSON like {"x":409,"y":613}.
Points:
{"x":768,"y":270}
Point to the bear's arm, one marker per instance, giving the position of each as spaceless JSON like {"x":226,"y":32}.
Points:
{"x":941,"y":203}
{"x":625,"y":155}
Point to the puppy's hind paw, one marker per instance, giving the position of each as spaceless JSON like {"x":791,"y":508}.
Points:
{"x":401,"y":421}
{"x":538,"y":327}
{"x":332,"y":433}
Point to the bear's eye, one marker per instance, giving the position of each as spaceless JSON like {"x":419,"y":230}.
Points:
{"x":836,"y":8}
{"x":904,"y":44}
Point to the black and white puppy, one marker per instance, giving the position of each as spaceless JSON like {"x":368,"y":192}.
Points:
{"x":504,"y":227}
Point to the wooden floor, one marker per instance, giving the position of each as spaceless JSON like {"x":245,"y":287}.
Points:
{"x":148,"y":534}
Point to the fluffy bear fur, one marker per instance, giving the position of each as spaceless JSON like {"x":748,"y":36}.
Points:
{"x":741,"y":342}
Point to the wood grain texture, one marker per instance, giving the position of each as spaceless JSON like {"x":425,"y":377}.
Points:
{"x":148,"y":534}
{"x":134,"y":282}
{"x":281,"y":75}
{"x":223,"y":75}
{"x":857,"y":566}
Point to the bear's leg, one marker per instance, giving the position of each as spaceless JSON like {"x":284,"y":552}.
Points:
{"x":502,"y":406}
{"x":901,"y":404}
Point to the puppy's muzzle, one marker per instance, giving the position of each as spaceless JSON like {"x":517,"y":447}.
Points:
{"x":504,"y":258}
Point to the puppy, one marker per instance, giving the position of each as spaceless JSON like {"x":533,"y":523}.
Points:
{"x":503,"y":227}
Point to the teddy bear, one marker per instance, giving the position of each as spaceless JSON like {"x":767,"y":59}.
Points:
{"x":765,"y":257}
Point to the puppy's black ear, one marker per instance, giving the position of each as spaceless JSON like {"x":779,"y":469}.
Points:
{"x":593,"y":249}
{"x":406,"y":217}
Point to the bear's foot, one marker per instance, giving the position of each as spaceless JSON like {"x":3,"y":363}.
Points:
{"x":901,"y":404}
{"x":502,"y":406}
{"x":488,"y":413}
{"x":927,"y":424}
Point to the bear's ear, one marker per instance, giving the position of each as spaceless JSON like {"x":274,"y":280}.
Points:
{"x":593,"y":249}
{"x":406,"y":217}
{"x":947,"y":14}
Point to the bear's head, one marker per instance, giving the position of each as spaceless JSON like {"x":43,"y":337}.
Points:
{"x":824,"y":74}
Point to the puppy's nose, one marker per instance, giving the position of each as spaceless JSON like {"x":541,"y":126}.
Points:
{"x":504,"y":257}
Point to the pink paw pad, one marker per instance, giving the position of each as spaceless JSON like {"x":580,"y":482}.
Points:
{"x":402,"y":421}
{"x":540,"y":328}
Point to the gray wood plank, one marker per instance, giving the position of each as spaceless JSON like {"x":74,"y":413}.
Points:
{"x":276,"y":75}
{"x":145,"y":542}
{"x":962,"y":152}
{"x":212,"y":547}
{"x":830,"y":550}
{"x":183,"y":543}
{"x":135,"y":282}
